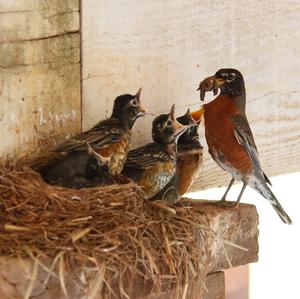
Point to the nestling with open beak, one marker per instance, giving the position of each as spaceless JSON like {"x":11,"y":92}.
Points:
{"x":152,"y":166}
{"x":188,"y":163}
{"x":109,"y":138}
{"x":229,"y":137}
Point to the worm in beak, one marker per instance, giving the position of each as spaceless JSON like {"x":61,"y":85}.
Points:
{"x":210,"y":84}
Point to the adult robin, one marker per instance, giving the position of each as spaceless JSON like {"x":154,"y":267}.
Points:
{"x":153,"y":166}
{"x":229,"y":137}
{"x":188,"y":163}
{"x":109,"y":138}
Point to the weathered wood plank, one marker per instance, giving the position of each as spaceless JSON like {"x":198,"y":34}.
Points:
{"x":235,"y":225}
{"x":39,"y":74}
{"x":169,"y":46}
{"x":30,"y":19}
{"x":215,"y":283}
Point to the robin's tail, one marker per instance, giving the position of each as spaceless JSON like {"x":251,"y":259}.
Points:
{"x":261,"y":187}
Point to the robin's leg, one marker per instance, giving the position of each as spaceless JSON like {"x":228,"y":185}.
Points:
{"x":227,"y":190}
{"x":237,"y":202}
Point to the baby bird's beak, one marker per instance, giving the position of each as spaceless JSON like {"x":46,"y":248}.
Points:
{"x":179,"y":129}
{"x":142,"y":109}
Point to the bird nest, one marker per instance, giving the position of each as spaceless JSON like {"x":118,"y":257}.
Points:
{"x":106,"y":234}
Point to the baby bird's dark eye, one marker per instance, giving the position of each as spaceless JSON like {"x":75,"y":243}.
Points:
{"x":134,"y":103}
{"x":169,"y":123}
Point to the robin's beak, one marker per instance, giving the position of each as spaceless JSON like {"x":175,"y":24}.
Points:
{"x":197,"y":115}
{"x":103,"y":160}
{"x":210,"y":84}
{"x":138,"y":93}
{"x":179,"y":129}
{"x":142,"y":111}
{"x":91,"y":151}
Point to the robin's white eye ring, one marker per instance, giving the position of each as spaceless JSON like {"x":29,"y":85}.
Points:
{"x":169,"y":123}
{"x":230,"y":77}
{"x":134,"y":103}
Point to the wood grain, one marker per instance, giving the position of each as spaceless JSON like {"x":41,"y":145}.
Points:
{"x":39,"y":74}
{"x":169,"y":46}
{"x":239,"y":226}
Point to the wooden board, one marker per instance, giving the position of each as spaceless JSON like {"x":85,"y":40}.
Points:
{"x":169,"y":46}
{"x":39,"y":74}
{"x":239,"y":226}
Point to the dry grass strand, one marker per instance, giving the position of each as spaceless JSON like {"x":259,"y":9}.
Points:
{"x":80,"y":231}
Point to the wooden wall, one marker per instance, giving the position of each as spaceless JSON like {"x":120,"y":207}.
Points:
{"x":168,"y":46}
{"x":39,"y":73}
{"x":165,"y":46}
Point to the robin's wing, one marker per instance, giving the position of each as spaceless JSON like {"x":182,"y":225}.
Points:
{"x":144,"y":157}
{"x":103,"y":134}
{"x":244,"y":136}
{"x":141,"y":159}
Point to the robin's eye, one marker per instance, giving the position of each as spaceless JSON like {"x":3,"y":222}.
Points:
{"x":134,"y":103}
{"x":169,"y":123}
{"x":230,"y":77}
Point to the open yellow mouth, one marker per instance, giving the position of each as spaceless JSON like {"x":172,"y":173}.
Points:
{"x":198,"y":114}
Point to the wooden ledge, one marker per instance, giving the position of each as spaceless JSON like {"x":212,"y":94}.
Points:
{"x":237,"y":225}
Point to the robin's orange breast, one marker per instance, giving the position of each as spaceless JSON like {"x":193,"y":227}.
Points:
{"x":118,"y":152}
{"x":155,"y":178}
{"x":220,"y":137}
{"x":188,"y":168}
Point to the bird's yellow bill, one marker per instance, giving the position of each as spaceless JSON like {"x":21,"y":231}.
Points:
{"x":197,"y":115}
{"x":142,"y":109}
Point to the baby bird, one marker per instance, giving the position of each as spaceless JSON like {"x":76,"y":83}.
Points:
{"x":153,"y":166}
{"x":84,"y":171}
{"x":189,"y":161}
{"x":109,"y":138}
{"x":190,"y":156}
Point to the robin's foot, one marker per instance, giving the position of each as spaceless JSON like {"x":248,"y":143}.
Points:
{"x":228,"y":204}
{"x":223,"y":199}
{"x":231,"y":204}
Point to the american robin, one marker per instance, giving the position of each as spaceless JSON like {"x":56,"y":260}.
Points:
{"x":229,"y":137}
{"x":188,"y":163}
{"x":152,"y":166}
{"x":109,"y":138}
{"x":82,"y":171}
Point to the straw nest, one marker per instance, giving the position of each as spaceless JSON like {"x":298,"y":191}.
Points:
{"x":109,"y":233}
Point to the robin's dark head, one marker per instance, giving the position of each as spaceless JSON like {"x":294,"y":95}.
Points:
{"x":233,"y":84}
{"x":191,"y":133}
{"x":128,"y":108}
{"x":97,"y":165}
{"x":166,"y":129}
{"x":230,"y":82}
